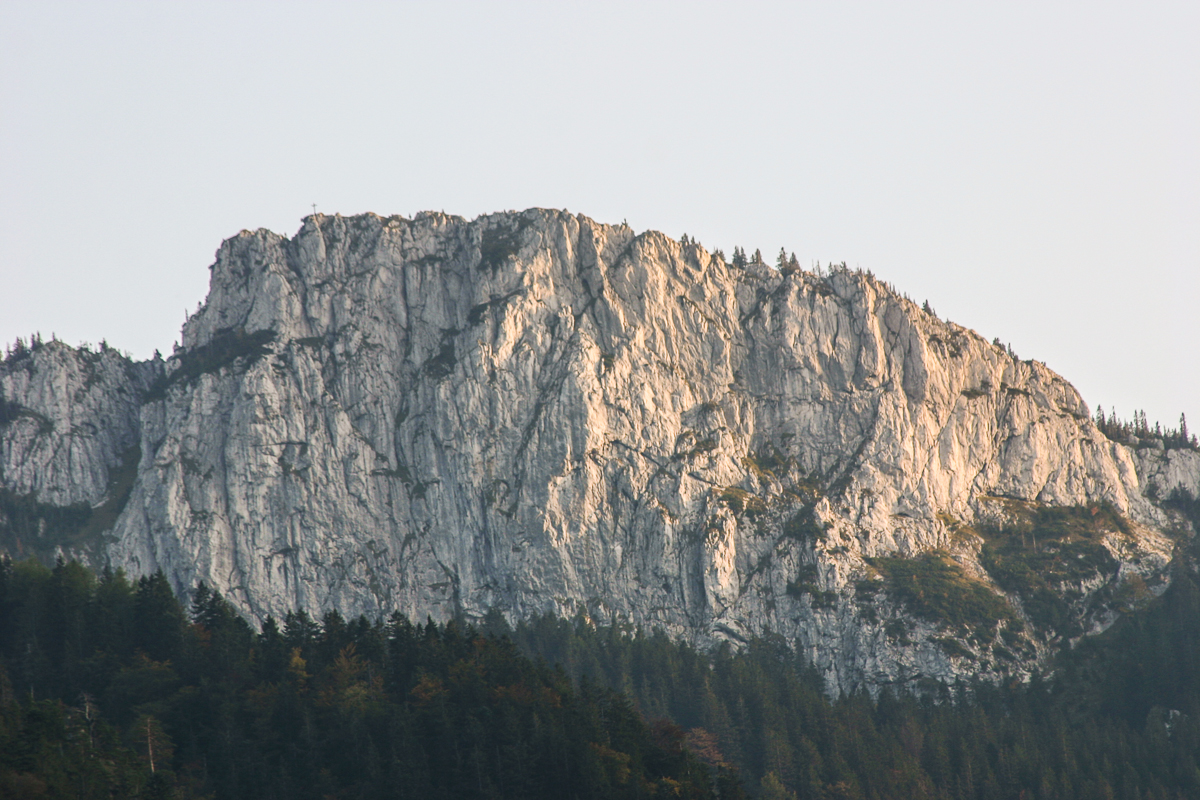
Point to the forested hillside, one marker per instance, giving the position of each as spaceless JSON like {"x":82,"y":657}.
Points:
{"x":114,"y":689}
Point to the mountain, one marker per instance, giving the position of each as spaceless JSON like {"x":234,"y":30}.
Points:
{"x":536,"y":413}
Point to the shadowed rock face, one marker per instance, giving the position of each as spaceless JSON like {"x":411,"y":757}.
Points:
{"x":67,"y":417}
{"x":69,"y":435}
{"x":535,"y":412}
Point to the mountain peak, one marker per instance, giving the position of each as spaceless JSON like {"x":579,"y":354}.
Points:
{"x":535,"y":412}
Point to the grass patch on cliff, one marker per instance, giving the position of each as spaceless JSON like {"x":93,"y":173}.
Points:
{"x":805,"y":583}
{"x":224,"y":349}
{"x":1064,"y":523}
{"x":768,"y":463}
{"x":804,"y":526}
{"x":1044,"y":554}
{"x":30,"y":528}
{"x":691,"y":443}
{"x":742,"y":502}
{"x":752,"y":466}
{"x":498,"y":245}
{"x":933,"y":587}
{"x":11,"y":411}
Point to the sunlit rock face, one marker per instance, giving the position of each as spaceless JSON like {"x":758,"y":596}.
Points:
{"x":538,"y":413}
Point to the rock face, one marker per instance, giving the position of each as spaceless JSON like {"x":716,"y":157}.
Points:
{"x":538,"y":413}
{"x":69,"y":435}
{"x":69,"y":418}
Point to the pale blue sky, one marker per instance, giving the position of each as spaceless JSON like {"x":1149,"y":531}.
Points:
{"x":1033,"y":169}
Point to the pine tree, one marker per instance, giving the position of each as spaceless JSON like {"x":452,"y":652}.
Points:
{"x":156,"y":746}
{"x":158,"y":618}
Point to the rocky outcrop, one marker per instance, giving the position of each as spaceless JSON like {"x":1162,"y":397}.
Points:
{"x":535,"y":412}
{"x":69,"y":417}
{"x":69,"y":435}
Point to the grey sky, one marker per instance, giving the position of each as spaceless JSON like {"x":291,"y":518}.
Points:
{"x":1032,"y":169}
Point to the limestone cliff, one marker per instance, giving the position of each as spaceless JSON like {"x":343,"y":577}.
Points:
{"x":535,"y":412}
{"x":69,"y":436}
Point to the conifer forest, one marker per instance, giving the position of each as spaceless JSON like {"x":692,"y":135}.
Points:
{"x":117,"y":688}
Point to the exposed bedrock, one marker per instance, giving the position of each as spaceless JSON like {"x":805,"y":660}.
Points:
{"x":539,"y":413}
